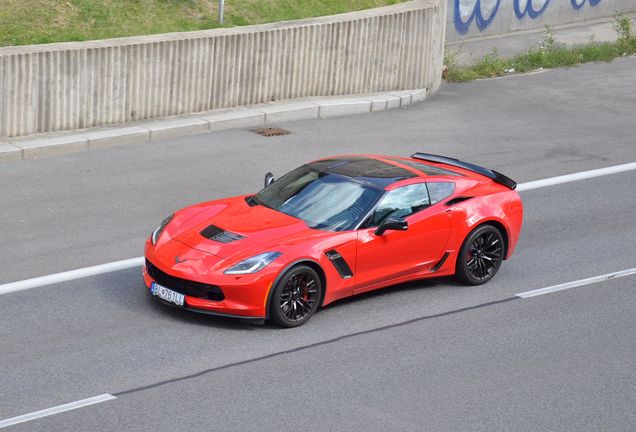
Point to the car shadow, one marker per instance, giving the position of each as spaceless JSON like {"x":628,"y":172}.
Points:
{"x":190,"y":317}
{"x":422,"y":284}
{"x":127,"y":291}
{"x":195,"y":318}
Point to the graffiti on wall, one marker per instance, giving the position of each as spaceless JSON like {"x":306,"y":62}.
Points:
{"x":483,"y":12}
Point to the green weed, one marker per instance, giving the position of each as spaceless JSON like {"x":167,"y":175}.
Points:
{"x":44,"y":21}
{"x":549,"y":54}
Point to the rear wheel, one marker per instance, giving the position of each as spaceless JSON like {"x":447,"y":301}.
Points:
{"x":480,"y":256}
{"x":296,"y":296}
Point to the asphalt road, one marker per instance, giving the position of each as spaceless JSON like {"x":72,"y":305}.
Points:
{"x":431,"y":355}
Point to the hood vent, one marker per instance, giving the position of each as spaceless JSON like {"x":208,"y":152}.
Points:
{"x":217,"y":234}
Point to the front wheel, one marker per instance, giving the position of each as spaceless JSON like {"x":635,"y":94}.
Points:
{"x":296,"y":296}
{"x":480,"y":256}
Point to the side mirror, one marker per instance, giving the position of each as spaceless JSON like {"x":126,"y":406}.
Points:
{"x":395,"y":224}
{"x":269,"y":179}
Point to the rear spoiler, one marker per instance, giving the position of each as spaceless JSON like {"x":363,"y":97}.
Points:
{"x":492,"y":174}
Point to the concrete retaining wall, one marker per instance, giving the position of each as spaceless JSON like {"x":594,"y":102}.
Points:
{"x":66,"y":86}
{"x":474,"y":18}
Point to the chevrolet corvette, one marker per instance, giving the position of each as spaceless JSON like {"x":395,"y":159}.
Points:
{"x":331,"y":229}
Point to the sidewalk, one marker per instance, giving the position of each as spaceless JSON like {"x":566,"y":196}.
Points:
{"x":471,"y":51}
{"x":43,"y":145}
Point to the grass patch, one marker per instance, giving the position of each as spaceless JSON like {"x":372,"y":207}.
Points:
{"x":43,"y":21}
{"x":548,"y":55}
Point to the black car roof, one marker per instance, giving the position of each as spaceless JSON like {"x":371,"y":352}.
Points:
{"x":368,"y":170}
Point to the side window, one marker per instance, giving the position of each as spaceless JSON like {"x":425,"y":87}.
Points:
{"x":401,"y":203}
{"x":440,"y":190}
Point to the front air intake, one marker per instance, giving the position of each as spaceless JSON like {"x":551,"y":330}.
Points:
{"x":217,"y":234}
{"x":184,"y":286}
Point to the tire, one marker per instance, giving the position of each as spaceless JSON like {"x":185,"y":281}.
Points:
{"x":480,"y":256}
{"x":296,"y":297}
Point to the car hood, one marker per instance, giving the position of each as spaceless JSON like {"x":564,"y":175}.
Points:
{"x":231,"y":227}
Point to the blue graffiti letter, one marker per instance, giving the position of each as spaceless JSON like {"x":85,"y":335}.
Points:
{"x":579,"y":5}
{"x":529,"y":8}
{"x":463,"y":19}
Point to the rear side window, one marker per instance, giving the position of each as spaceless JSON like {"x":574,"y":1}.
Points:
{"x":400,"y":203}
{"x":440,"y":190}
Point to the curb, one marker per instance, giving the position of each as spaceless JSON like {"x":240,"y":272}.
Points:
{"x":34,"y":147}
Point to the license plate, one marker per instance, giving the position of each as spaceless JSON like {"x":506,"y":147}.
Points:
{"x":167,"y":294}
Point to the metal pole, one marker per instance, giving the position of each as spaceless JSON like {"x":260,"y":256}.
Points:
{"x":221,"y":10}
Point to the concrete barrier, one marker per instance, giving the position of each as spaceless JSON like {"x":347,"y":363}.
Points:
{"x":469,"y":19}
{"x":66,"y":86}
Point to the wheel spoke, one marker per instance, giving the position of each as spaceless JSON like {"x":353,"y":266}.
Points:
{"x":305,"y":306}
{"x":495,"y":252}
{"x":488,"y":240}
{"x":489,"y":264}
{"x":492,"y":244}
{"x":481,"y":268}
{"x":287,"y":312}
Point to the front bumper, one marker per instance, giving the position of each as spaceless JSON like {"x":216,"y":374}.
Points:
{"x":243,"y":296}
{"x":253,"y":320}
{"x":226,"y":307}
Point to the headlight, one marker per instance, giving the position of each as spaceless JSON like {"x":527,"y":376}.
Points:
{"x":254,"y":264}
{"x":157,"y":233}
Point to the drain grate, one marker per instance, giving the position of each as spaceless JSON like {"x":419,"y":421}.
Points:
{"x":271,"y":131}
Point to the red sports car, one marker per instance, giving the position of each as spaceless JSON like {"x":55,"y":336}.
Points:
{"x":331,"y":229}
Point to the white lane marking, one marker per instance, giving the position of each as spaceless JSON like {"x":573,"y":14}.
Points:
{"x":56,"y":410}
{"x":139,"y":261}
{"x":577,"y":283}
{"x":576,"y":177}
{"x":71,"y":275}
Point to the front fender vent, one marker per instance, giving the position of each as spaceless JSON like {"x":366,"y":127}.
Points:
{"x":217,"y":234}
{"x":339,"y":263}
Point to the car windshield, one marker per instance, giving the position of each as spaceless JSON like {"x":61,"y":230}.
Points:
{"x":322,"y":200}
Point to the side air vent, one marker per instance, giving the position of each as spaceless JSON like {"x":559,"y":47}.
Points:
{"x":457,"y":200}
{"x":339,"y":263}
{"x":217,"y":234}
{"x":440,"y":263}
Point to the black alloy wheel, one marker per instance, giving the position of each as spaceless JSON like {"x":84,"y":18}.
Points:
{"x":296,"y":297}
{"x":481,"y":255}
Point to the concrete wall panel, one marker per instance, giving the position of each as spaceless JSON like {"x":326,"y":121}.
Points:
{"x":65,"y":86}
